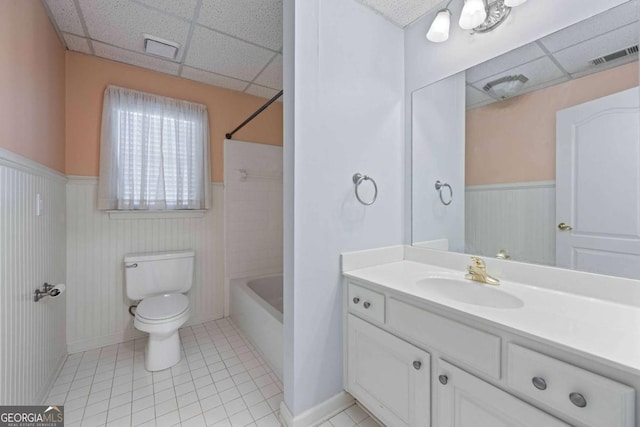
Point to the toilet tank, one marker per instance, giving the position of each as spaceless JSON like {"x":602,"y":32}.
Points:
{"x":149,"y":274}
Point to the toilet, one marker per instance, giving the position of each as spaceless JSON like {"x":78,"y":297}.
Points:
{"x":159,"y":282}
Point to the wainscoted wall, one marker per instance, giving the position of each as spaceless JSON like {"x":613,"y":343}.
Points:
{"x":96,"y":244}
{"x":520,"y":218}
{"x":253,"y":209}
{"x":32,"y":335}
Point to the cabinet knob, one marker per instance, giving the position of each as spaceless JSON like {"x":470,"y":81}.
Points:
{"x":417,"y":365}
{"x":539,"y":383}
{"x":356,"y":300}
{"x":443,"y":379}
{"x":578,"y":400}
{"x":367,"y":304}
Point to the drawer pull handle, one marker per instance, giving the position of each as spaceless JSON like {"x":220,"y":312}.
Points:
{"x":443,"y":379}
{"x":578,"y":400}
{"x":417,"y":365}
{"x":367,"y":304}
{"x":356,"y":300}
{"x":539,"y":383}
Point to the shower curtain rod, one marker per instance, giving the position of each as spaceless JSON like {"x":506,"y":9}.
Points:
{"x":253,"y":116}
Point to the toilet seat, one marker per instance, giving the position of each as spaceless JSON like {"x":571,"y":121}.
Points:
{"x":162,"y":307}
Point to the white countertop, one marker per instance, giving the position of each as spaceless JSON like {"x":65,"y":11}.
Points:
{"x":606,"y":330}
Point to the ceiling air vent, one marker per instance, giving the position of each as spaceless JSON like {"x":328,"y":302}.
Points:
{"x":615,"y":55}
{"x":160,"y":47}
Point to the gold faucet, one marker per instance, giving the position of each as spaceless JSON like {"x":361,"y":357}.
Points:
{"x":478,"y":273}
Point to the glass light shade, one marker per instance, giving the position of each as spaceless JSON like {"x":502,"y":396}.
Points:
{"x":506,"y":87}
{"x":473,"y":14}
{"x":439,"y":30}
{"x":513,"y":3}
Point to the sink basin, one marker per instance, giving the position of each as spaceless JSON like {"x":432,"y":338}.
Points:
{"x":470,"y":292}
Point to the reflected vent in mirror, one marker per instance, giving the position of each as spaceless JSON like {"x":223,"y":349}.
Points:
{"x":633,"y":50}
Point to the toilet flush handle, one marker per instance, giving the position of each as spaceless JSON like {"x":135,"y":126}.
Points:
{"x":131,"y":266}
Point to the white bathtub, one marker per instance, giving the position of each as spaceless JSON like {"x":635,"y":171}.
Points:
{"x":256,"y":308}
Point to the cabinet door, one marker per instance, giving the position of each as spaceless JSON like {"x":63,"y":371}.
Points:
{"x":463,"y":400}
{"x":390,"y":377}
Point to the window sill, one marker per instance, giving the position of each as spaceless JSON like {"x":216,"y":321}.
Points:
{"x":170,"y":214}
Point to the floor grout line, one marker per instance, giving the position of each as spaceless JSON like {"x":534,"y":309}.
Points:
{"x":219,"y":366}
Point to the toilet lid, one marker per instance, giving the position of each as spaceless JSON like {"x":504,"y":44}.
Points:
{"x":162,"y":306}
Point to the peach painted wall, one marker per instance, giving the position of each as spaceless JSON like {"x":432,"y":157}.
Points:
{"x":88,"y":76}
{"x":31,"y":84}
{"x":515,"y":140}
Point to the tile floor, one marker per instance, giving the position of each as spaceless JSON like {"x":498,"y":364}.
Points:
{"x":221,"y":381}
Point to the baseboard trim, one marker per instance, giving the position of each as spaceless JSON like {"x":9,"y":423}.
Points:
{"x":319,"y":413}
{"x":105,"y":340}
{"x":42,"y":396}
{"x":120,"y":337}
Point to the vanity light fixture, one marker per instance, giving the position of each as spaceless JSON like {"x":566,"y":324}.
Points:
{"x":474,"y":12}
{"x":480,"y":16}
{"x":505,"y":87}
{"x":439,"y":30}
{"x":513,"y":3}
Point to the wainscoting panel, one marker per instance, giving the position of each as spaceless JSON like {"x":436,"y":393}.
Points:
{"x":96,"y":244}
{"x":517,"y":217}
{"x":32,"y":251}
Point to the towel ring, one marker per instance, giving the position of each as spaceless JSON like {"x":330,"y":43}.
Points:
{"x":439,"y":187}
{"x":359,"y":179}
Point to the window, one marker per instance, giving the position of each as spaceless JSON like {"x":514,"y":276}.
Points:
{"x":154,"y":152}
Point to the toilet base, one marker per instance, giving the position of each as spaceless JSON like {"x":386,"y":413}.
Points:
{"x":162,"y":351}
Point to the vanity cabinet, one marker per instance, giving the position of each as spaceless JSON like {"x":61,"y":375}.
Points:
{"x":389,"y":376}
{"x":411,"y":365}
{"x":463,"y":400}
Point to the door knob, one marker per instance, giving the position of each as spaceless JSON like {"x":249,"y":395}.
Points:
{"x":564,"y":227}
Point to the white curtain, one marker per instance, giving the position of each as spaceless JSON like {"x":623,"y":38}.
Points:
{"x":154,"y":152}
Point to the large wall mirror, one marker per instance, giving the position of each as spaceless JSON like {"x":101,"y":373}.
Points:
{"x":534,"y":156}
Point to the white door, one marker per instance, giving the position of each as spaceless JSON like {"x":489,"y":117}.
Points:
{"x":598,"y":186}
{"x":389,"y":376}
{"x":463,"y":400}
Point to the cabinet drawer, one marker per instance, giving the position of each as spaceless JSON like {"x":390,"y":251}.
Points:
{"x":474,"y":348}
{"x":366,"y":303}
{"x":604,"y":402}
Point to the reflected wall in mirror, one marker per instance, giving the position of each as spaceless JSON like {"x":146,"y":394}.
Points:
{"x":541,"y":150}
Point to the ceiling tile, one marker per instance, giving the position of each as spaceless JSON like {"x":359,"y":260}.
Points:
{"x":524,"y":54}
{"x":539,"y":71}
{"x":604,"y":67}
{"x":122,"y":23}
{"x":79,"y":44}
{"x":544,"y":85}
{"x":592,"y":27}
{"x":261,"y":91}
{"x":402,"y":12}
{"x":183,"y":8}
{"x":134,"y":58}
{"x":257,"y":21}
{"x":225,"y":55}
{"x":213,"y":79}
{"x":272,"y":75}
{"x":66,"y":16}
{"x":576,"y":58}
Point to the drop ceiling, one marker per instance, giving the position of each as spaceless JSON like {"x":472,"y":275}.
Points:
{"x":402,"y":12}
{"x":235,"y":44}
{"x":561,"y":56}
